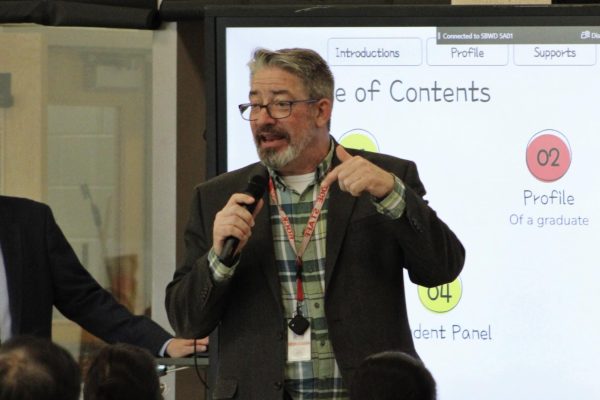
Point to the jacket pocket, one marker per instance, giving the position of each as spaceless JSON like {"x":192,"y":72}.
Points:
{"x":225,"y":389}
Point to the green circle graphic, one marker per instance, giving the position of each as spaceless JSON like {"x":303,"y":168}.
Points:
{"x":360,"y":140}
{"x":443,"y":298}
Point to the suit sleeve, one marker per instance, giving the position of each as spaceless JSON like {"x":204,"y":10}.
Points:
{"x":194,"y":301}
{"x":81,"y":299}
{"x":433,"y":253}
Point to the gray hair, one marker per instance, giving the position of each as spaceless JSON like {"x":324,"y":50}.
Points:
{"x":306,"y":64}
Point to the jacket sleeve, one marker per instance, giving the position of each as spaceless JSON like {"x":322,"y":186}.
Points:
{"x":194,"y":301}
{"x":433,"y":253}
{"x":81,"y":299}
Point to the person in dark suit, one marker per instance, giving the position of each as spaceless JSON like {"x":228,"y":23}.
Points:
{"x":39,"y":270}
{"x":33,"y":368}
{"x":316,"y":282}
{"x":392,"y":375}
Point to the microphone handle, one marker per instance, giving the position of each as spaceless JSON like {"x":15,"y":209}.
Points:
{"x":232,"y":242}
{"x":229,"y":247}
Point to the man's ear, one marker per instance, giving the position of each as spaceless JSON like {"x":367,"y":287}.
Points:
{"x":323,"y":107}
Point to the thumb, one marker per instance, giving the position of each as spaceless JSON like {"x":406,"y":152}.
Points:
{"x":342,"y":154}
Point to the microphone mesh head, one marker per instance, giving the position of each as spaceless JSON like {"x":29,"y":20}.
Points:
{"x":256,"y":186}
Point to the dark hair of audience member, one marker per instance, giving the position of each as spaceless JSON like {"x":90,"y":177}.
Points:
{"x":392,"y":375}
{"x":33,"y":368}
{"x":122,"y":372}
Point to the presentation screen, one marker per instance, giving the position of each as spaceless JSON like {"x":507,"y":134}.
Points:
{"x":501,"y":115}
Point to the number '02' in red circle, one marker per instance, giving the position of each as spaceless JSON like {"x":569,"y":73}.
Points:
{"x":548,"y":156}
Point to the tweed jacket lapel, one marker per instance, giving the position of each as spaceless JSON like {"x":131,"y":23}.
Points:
{"x":263,"y":249}
{"x":339,"y":210}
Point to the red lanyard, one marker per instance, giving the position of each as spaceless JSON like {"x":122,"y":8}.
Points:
{"x":308,"y":231}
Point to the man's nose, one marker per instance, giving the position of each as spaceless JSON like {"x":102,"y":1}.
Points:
{"x":264,"y":117}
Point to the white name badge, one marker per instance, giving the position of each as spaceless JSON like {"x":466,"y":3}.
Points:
{"x":298,"y":346}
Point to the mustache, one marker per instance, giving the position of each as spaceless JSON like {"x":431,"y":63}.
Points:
{"x":270,"y":132}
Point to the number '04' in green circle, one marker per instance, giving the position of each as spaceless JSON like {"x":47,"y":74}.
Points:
{"x":443,"y":298}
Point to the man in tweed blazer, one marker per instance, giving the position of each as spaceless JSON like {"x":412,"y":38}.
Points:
{"x":373,"y":224}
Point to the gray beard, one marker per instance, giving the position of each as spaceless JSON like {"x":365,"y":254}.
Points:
{"x":277,"y":160}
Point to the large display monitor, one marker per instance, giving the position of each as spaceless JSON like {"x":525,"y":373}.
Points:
{"x":499,"y":108}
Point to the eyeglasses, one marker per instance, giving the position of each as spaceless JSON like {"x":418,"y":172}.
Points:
{"x":275,"y":109}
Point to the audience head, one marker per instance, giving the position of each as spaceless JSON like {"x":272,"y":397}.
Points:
{"x":392,"y":375}
{"x":34,"y":368}
{"x":122,"y":372}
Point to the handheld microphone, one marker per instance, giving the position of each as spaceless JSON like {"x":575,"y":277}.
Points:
{"x":257,"y":185}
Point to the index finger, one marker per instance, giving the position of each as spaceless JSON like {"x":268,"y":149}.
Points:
{"x":343,"y":156}
{"x":330,"y":177}
{"x":240,"y":198}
